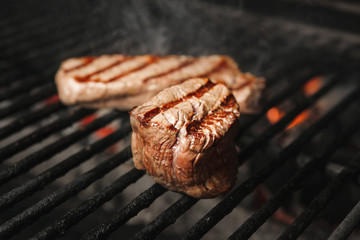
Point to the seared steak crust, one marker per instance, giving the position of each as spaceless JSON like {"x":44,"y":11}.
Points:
{"x":183,"y":137}
{"x":119,"y":81}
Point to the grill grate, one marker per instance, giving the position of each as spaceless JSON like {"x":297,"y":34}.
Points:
{"x":43,"y":132}
{"x":34,"y":43}
{"x":285,"y":192}
{"x":299,"y":225}
{"x":37,"y":157}
{"x":347,"y":225}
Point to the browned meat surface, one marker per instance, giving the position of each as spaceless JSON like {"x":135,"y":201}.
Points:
{"x":183,"y":137}
{"x":119,"y":81}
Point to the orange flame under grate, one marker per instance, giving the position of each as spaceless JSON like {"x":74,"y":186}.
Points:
{"x":310,"y":87}
{"x":299,"y":119}
{"x":100,"y":133}
{"x":274,"y":115}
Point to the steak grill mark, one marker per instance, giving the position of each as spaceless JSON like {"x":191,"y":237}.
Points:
{"x":87,"y":77}
{"x":151,"y":60}
{"x":217,"y":68}
{"x":193,"y":127}
{"x":87,"y":60}
{"x":197,"y":93}
{"x":171,"y":70}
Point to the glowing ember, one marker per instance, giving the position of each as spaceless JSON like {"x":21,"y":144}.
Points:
{"x":299,"y":119}
{"x":104,"y":132}
{"x":100,"y":133}
{"x":53,"y":99}
{"x":274,"y":115}
{"x":312,"y":86}
{"x":88,"y":119}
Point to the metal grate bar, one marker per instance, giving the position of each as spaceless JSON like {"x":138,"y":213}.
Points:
{"x":15,"y":17}
{"x":108,"y":39}
{"x":19,"y":88}
{"x":30,"y":36}
{"x":294,"y":10}
{"x":139,"y":203}
{"x":23,"y":84}
{"x":29,"y":24}
{"x":26,"y":100}
{"x":36,"y":30}
{"x":73,"y":216}
{"x":14,"y":14}
{"x":29,"y":118}
{"x":97,"y":43}
{"x":50,"y":49}
{"x":237,"y":195}
{"x":271,"y":131}
{"x":288,"y":69}
{"x":38,"y":182}
{"x":166,"y":218}
{"x":347,"y":225}
{"x":19,"y":75}
{"x":50,"y":150}
{"x":68,"y":36}
{"x":49,"y":202}
{"x":34,"y":39}
{"x":43,"y":132}
{"x":314,"y":208}
{"x":284,"y":194}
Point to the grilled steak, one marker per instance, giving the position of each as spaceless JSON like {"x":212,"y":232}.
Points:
{"x":119,"y":81}
{"x":183,"y":137}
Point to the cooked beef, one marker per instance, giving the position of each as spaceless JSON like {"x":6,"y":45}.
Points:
{"x":183,"y":137}
{"x":119,"y":81}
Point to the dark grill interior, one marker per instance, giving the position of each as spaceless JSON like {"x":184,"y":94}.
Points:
{"x":67,"y":171}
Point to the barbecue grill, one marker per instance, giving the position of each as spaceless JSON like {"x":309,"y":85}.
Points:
{"x":67,"y":171}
